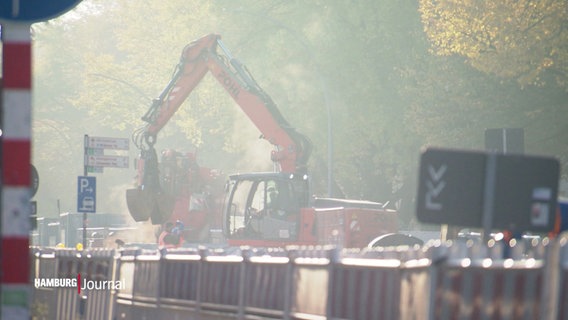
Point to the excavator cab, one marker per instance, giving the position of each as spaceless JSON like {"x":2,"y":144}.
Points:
{"x":264,"y":206}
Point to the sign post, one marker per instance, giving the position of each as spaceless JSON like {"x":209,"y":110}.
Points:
{"x":16,"y":17}
{"x":95,"y":161}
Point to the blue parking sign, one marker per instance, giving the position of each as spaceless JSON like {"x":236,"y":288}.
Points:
{"x":86,"y":194}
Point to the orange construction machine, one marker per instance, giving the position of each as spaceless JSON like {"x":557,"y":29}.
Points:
{"x":257,"y":209}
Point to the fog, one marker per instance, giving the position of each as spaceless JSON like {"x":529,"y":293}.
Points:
{"x":368,"y":74}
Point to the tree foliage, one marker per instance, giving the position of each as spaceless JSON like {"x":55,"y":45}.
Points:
{"x":524,"y":40}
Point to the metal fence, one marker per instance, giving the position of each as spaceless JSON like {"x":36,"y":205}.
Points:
{"x":460,"y":280}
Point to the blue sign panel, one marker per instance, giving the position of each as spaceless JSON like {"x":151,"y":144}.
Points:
{"x":86,"y":194}
{"x":34,"y":10}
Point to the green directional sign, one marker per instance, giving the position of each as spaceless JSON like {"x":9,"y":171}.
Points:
{"x":95,"y":151}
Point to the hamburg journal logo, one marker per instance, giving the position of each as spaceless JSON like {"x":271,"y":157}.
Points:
{"x":79,"y":284}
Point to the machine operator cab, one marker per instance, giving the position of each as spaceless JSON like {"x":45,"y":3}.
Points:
{"x":265,"y":206}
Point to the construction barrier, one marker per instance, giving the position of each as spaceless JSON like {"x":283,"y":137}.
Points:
{"x":140,"y":272}
{"x":180,"y":290}
{"x":267,"y":278}
{"x":44,"y":298}
{"x":99,"y":267}
{"x":460,"y":280}
{"x":221,"y":281}
{"x":563,"y":281}
{"x":477,"y":282}
{"x":178,"y":282}
{"x":498,"y":290}
{"x":85,"y":301}
{"x":310,"y":283}
{"x":361,"y":289}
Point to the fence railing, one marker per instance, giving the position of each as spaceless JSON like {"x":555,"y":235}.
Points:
{"x":460,"y":280}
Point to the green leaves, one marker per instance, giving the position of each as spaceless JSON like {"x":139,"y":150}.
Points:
{"x":522,"y":40}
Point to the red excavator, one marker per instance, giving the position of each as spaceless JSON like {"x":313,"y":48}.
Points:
{"x":270,"y":209}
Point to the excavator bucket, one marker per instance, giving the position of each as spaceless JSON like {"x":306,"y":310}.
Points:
{"x":143,"y":205}
{"x":140,"y":204}
{"x":163,"y":208}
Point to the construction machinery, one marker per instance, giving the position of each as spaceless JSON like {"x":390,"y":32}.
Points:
{"x":257,"y":209}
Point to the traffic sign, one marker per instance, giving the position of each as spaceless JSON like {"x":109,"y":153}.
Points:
{"x":107,"y":161}
{"x":108,"y":143}
{"x":526,"y":193}
{"x":489,"y":190}
{"x":34,"y":10}
{"x":91,"y":169}
{"x":95,"y":151}
{"x":450,"y":189}
{"x":86,"y":194}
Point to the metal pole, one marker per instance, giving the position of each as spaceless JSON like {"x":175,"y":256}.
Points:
{"x":489,"y":195}
{"x":85,"y":173}
{"x":330,"y":178}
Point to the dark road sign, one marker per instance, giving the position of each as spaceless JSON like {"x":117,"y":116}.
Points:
{"x":34,"y":10}
{"x":450,"y":189}
{"x":526,"y":193}
{"x":458,"y":187}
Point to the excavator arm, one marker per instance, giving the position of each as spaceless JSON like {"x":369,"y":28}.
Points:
{"x":292,"y":149}
{"x":208,"y":54}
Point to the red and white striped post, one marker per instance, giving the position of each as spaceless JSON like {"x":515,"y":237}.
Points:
{"x":16,"y":152}
{"x":16,"y":148}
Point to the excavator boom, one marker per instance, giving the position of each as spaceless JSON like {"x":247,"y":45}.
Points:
{"x":200,"y":57}
{"x":258,"y":209}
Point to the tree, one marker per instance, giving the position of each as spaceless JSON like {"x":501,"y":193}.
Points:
{"x":524,"y":40}
{"x":99,"y":85}
{"x":356,"y":48}
{"x":362,"y":67}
